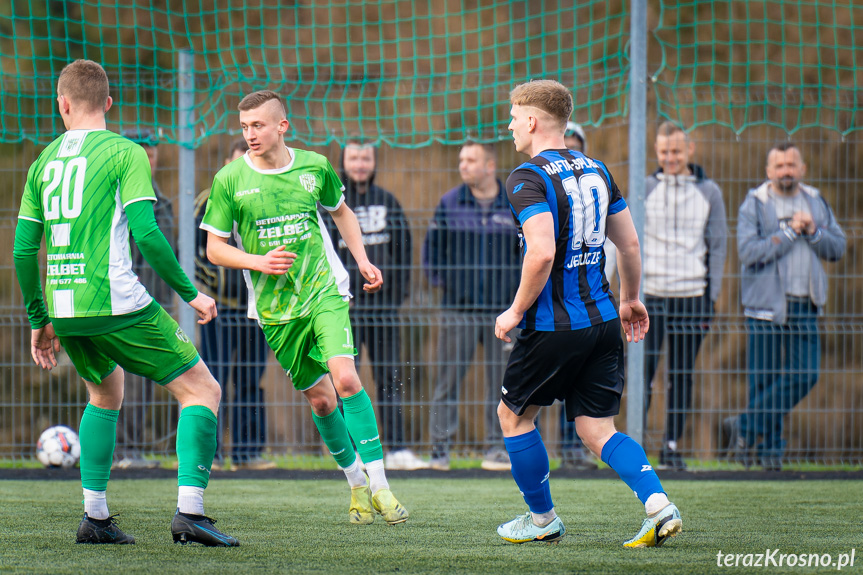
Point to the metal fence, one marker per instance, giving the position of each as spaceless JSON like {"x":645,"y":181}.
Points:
{"x":825,"y":428}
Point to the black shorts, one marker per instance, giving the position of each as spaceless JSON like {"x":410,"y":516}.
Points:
{"x":582,"y":368}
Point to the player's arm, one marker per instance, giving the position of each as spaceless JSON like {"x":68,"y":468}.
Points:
{"x":276,"y":262}
{"x":538,"y":233}
{"x":349,"y":228}
{"x":43,"y":341}
{"x":158,"y":253}
{"x":526,"y":193}
{"x":28,"y":238}
{"x":633,"y":314}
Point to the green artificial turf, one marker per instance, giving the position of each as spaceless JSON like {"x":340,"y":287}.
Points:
{"x":301,"y":527}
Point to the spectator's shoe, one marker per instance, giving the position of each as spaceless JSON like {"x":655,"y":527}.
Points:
{"x":102,"y":531}
{"x":577,"y":459}
{"x":671,"y":459}
{"x":770,"y":462}
{"x":657,"y":529}
{"x":738,"y":450}
{"x":731,"y":432}
{"x":522,"y":529}
{"x":439,"y":462}
{"x":404,"y":459}
{"x":497,"y":460}
{"x":389,"y":507}
{"x":360,"y":511}
{"x":188,"y":528}
{"x":254,"y":464}
{"x":136,"y":463}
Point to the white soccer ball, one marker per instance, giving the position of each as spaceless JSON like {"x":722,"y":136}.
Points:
{"x":58,"y":446}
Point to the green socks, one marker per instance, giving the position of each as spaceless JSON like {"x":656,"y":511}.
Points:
{"x":334,"y":432}
{"x":361,"y":422}
{"x":196,"y":445}
{"x":98,"y":434}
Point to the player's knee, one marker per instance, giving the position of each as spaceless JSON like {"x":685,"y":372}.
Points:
{"x":214,"y":390}
{"x":593,"y":436}
{"x":197,"y":387}
{"x":347,"y":383}
{"x":508,"y":420}
{"x":104,"y":401}
{"x":323,"y":405}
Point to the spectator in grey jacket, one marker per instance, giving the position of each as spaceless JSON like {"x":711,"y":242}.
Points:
{"x":784,"y":230}
{"x":684,"y":254}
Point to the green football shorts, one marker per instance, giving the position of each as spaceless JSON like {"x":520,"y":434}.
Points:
{"x":155,"y":348}
{"x":303,"y":346}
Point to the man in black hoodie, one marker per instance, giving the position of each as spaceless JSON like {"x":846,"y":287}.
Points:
{"x":375,"y":317}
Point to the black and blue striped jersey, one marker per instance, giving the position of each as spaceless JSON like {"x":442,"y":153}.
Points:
{"x":580,"y":193}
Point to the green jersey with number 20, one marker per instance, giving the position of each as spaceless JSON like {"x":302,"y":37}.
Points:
{"x":78,"y":189}
{"x":270,"y":208}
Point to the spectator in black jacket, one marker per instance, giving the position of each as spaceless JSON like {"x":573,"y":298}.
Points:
{"x":375,"y":317}
{"x":472,"y":253}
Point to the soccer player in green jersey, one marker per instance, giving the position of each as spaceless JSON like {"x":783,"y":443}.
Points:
{"x":85,"y":192}
{"x":268,"y":199}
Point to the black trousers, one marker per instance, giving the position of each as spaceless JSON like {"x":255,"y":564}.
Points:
{"x":684,"y":322}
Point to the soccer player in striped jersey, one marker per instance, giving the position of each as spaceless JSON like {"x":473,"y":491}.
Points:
{"x":268,"y":200}
{"x":569,"y":347}
{"x":85,"y":192}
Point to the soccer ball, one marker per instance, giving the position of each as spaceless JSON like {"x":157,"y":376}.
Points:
{"x":58,"y":446}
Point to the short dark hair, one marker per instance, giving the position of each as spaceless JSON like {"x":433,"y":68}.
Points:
{"x":257,"y":99}
{"x":783,"y":147}
{"x":488,"y":149}
{"x":84,"y":82}
{"x":143,"y":137}
{"x":239,"y":145}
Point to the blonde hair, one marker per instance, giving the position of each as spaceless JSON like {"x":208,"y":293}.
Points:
{"x":550,"y":96}
{"x":84,"y":82}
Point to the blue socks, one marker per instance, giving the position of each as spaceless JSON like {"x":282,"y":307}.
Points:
{"x":628,"y":459}
{"x":530,"y":469}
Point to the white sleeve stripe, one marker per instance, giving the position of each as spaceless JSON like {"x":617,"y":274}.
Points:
{"x":153,"y":199}
{"x":30,"y":219}
{"x":215,"y":231}
{"x":334,"y":208}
